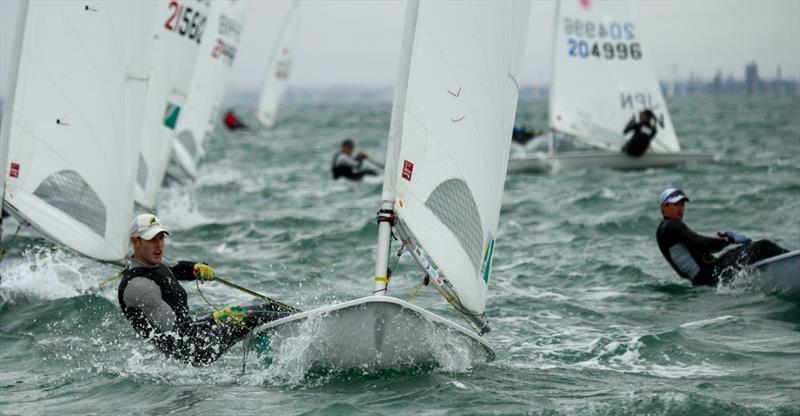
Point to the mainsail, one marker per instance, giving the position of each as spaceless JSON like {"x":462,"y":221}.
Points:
{"x":602,"y":76}
{"x":218,"y":50}
{"x":72,"y":126}
{"x":175,"y":45}
{"x":450,"y":135}
{"x":279,"y":67}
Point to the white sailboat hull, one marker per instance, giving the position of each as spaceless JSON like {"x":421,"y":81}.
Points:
{"x":780,"y":271}
{"x":605,"y":159}
{"x":375,"y":332}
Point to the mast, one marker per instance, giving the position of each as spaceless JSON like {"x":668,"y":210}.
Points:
{"x":5,"y":128}
{"x":386,"y":212}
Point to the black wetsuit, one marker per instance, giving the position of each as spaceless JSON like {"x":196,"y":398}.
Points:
{"x":346,"y":166}
{"x":691,"y":254}
{"x":521,"y":136}
{"x":155,"y":304}
{"x":642,"y":135}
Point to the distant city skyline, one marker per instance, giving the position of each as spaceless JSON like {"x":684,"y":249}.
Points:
{"x":357,"y":43}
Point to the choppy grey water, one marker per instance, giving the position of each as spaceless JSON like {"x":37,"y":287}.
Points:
{"x":587,"y":316}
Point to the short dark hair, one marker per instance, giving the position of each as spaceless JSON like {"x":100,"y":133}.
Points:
{"x":348,"y":143}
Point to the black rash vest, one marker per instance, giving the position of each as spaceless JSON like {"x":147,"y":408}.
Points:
{"x":640,"y":141}
{"x":689,"y":253}
{"x":156,"y":305}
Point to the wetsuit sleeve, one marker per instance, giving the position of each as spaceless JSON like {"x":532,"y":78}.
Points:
{"x":631,"y":126}
{"x":144,"y":295}
{"x":184,"y":270}
{"x":348,"y":161}
{"x":693,"y":240}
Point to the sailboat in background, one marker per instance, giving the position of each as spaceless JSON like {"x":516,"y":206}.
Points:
{"x":449,"y":139}
{"x":602,"y":76}
{"x":175,"y":46}
{"x":218,"y":50}
{"x":279,"y":67}
{"x":72,"y":121}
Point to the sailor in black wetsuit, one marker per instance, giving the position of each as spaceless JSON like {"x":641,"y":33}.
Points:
{"x":643,"y":132}
{"x":155,"y":303}
{"x":345,"y":165}
{"x":691,"y":254}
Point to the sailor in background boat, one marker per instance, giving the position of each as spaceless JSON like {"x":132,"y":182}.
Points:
{"x":643,"y":133}
{"x":691,"y":254}
{"x":345,"y":165}
{"x":521,"y":135}
{"x":232,"y":122}
{"x":155,"y":303}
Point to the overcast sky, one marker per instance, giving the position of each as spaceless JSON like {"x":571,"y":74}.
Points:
{"x":358,"y":42}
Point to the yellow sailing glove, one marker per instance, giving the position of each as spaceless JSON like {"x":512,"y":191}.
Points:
{"x":203,"y":271}
{"x":230,"y":314}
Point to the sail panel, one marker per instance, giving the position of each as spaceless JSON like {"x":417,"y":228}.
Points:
{"x":218,"y":50}
{"x":174,"y":53}
{"x":602,"y":76}
{"x":457,"y":114}
{"x":76,"y":114}
{"x":279,"y":68}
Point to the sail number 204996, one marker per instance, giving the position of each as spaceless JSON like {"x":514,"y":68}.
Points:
{"x":185,"y":21}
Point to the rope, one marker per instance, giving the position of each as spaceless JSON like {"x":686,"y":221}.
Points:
{"x":200,"y":292}
{"x":107,"y":281}
{"x":422,"y":284}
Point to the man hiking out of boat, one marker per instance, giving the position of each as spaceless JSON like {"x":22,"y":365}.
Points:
{"x":155,"y":303}
{"x":691,"y":255}
{"x":232,"y":122}
{"x":345,"y":165}
{"x":643,"y":133}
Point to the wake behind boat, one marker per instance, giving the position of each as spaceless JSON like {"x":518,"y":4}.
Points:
{"x":449,"y":141}
{"x":602,"y":80}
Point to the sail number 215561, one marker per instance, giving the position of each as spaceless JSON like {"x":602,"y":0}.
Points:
{"x":185,"y":21}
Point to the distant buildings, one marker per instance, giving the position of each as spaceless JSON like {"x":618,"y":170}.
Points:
{"x":751,"y":84}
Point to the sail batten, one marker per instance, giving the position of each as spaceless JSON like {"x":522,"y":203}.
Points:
{"x":602,"y":76}
{"x":451,"y":132}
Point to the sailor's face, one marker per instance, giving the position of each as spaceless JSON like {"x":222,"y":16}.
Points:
{"x":150,"y":251}
{"x":674,"y":211}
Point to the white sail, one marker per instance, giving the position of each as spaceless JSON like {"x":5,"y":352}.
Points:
{"x":218,"y":50}
{"x":279,"y":67}
{"x":74,"y":119}
{"x":178,"y":30}
{"x":602,"y":76}
{"x":451,"y":133}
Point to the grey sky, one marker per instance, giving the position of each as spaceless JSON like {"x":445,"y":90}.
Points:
{"x":358,"y":42}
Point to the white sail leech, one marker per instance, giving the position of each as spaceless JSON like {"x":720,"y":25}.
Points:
{"x":603,"y":77}
{"x":74,"y":121}
{"x":218,"y":50}
{"x":279,"y":67}
{"x":451,"y":133}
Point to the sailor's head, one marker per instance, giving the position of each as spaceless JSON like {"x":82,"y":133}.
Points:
{"x":672,"y":201}
{"x":645,"y":115}
{"x":147,"y":237}
{"x":348,"y":146}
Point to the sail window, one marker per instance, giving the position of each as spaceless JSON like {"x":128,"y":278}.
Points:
{"x":141,"y":173}
{"x":453,"y":204}
{"x":186,"y":139}
{"x":68,"y":192}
